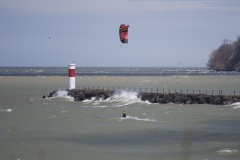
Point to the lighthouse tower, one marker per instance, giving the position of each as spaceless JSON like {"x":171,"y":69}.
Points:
{"x":72,"y":72}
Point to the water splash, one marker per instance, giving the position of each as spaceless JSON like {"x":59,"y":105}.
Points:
{"x":137,"y":119}
{"x":236,"y":105}
{"x":63,"y":94}
{"x":126,"y":98}
{"x":141,"y":119}
{"x":122,"y":98}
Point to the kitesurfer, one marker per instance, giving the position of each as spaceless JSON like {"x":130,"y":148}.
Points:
{"x":124,"y":114}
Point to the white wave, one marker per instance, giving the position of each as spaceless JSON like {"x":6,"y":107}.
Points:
{"x":99,"y":106}
{"x":128,"y":117}
{"x":93,"y":99}
{"x":6,"y":110}
{"x":135,"y":118}
{"x":125,"y":98}
{"x":122,"y":98}
{"x":63,"y":94}
{"x":236,"y":105}
{"x":95,"y":105}
{"x":52,"y":117}
{"x":140,"y":119}
{"x":227,"y":151}
{"x":63,"y":111}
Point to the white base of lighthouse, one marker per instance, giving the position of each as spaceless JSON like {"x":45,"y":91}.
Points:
{"x":72,"y":83}
{"x":72,"y":72}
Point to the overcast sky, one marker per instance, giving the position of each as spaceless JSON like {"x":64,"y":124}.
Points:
{"x":162,"y":33}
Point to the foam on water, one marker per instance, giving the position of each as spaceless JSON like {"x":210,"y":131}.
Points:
{"x":52,"y":117}
{"x":6,"y":110}
{"x":141,"y":119}
{"x":99,"y":106}
{"x":236,"y":105}
{"x":63,"y":94}
{"x":93,"y":99}
{"x":122,"y":98}
{"x":138,"y":119}
{"x":134,"y":118}
{"x":63,"y":111}
{"x":227,"y":151}
{"x":126,"y":98}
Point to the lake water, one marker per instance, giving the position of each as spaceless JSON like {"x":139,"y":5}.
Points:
{"x":59,"y":128}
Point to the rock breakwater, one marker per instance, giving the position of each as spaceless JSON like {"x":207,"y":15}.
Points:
{"x":161,"y":98}
{"x":164,"y":98}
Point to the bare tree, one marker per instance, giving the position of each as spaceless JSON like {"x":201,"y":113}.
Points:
{"x":226,"y":57}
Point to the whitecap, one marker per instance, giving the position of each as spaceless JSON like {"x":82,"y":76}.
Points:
{"x":63,"y":111}
{"x":126,"y":98}
{"x":6,"y":110}
{"x":167,"y":112}
{"x":236,"y":105}
{"x":227,"y":151}
{"x":122,"y":98}
{"x":63,"y":94}
{"x":69,"y":99}
{"x":99,"y":106}
{"x":52,"y":117}
{"x":89,"y":100}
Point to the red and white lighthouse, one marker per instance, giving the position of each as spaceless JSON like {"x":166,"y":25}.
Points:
{"x":72,"y":73}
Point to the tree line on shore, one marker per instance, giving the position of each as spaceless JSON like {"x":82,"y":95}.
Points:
{"x":226,"y":57}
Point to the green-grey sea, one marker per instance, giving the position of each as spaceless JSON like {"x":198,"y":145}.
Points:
{"x":58,"y":128}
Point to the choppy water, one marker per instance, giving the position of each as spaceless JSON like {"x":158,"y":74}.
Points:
{"x":111,"y":71}
{"x":59,"y":128}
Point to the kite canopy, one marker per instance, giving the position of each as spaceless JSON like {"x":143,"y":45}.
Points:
{"x":123,"y":33}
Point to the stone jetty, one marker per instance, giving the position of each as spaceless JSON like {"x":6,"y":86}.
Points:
{"x":84,"y":94}
{"x":161,"y":98}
